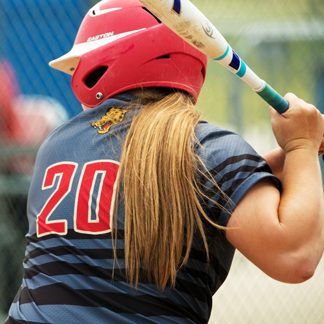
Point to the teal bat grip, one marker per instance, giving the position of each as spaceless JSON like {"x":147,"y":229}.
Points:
{"x":273,"y":98}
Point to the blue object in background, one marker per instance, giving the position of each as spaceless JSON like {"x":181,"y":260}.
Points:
{"x":33,"y":33}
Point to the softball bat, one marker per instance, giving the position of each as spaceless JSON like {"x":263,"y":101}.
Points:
{"x":187,"y":21}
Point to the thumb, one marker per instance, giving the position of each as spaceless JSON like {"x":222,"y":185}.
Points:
{"x":275,"y":115}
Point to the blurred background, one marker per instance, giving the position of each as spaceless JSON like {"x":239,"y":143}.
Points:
{"x":281,"y":40}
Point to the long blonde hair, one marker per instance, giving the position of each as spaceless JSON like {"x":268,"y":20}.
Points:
{"x":160,"y":174}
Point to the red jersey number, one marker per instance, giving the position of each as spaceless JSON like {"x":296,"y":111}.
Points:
{"x":65,"y":173}
{"x":97,"y":186}
{"x":103,"y":175}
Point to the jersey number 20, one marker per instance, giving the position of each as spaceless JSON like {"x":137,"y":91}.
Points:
{"x":104,"y":174}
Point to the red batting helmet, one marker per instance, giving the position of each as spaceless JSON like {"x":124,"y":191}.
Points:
{"x":122,"y":46}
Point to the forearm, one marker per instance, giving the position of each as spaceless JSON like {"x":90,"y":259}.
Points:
{"x":301,"y":206}
{"x":283,"y":233}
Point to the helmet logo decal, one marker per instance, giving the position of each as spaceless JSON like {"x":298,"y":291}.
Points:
{"x":112,"y":117}
{"x":96,"y":11}
{"x":94,"y":38}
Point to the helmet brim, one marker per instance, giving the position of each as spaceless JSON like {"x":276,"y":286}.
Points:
{"x":69,"y":62}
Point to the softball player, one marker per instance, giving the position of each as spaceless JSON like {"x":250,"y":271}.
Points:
{"x":136,"y":205}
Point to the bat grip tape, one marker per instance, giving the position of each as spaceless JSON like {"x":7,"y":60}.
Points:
{"x":273,"y":98}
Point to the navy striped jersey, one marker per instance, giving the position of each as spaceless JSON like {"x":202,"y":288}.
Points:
{"x":69,"y":256}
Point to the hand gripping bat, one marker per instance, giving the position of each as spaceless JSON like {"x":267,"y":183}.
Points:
{"x":189,"y":23}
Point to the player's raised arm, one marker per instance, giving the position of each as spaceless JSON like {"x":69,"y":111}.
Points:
{"x":283,"y":234}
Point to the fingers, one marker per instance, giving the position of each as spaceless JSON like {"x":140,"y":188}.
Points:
{"x":301,"y":125}
{"x":297,"y":108}
{"x":293,"y":100}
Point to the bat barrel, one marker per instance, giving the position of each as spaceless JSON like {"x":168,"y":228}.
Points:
{"x":189,"y":23}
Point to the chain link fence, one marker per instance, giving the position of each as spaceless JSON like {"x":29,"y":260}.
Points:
{"x":282,"y":41}
{"x":34,"y":99}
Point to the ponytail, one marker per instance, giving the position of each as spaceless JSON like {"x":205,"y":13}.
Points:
{"x":159,"y":171}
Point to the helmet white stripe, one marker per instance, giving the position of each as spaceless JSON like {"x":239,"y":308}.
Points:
{"x":68,"y":62}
